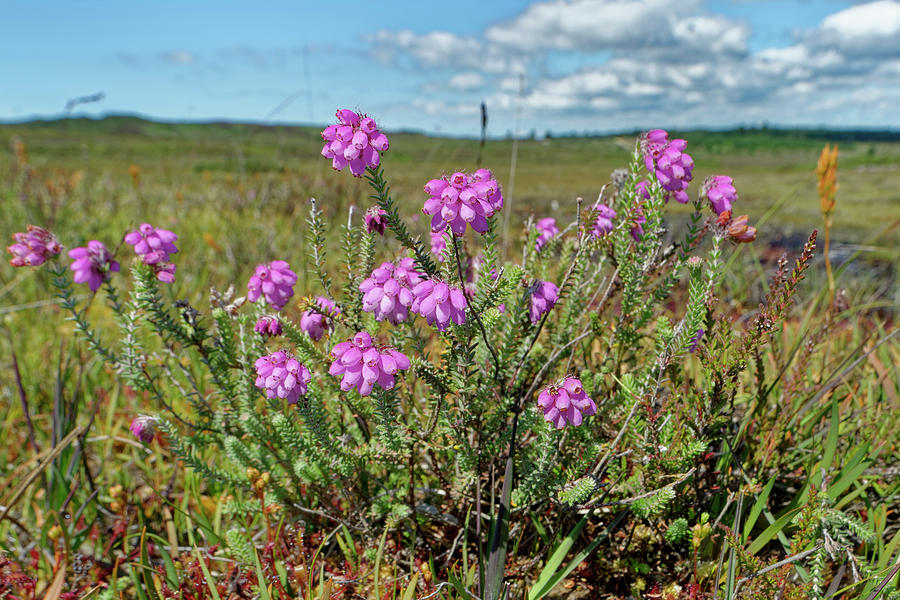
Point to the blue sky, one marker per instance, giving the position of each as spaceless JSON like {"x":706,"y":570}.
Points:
{"x":586,"y":65}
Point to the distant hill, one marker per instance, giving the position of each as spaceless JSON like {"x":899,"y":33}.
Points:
{"x":133,"y":124}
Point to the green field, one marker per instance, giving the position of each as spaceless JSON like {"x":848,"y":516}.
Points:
{"x":769,"y":167}
{"x":238,"y":195}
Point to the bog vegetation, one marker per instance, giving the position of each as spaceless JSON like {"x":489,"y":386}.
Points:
{"x":234,"y":379}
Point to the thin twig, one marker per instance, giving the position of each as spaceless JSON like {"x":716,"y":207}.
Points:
{"x":634,"y":499}
{"x":540,"y":326}
{"x":877,"y":591}
{"x":474,"y":313}
{"x":603,"y":462}
{"x":39,"y":303}
{"x":772,"y":567}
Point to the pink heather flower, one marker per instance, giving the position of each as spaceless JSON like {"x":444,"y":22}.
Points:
{"x":274,"y":281}
{"x":314,"y":322}
{"x":719,"y":190}
{"x":603,"y":225}
{"x":462,"y":199}
{"x":143,"y":428}
{"x":544,"y":295}
{"x":656,"y":139}
{"x":147,"y":239}
{"x":364,"y":363}
{"x":154,"y":247}
{"x":165,"y":272}
{"x":642,"y":189}
{"x":667,"y":160}
{"x":92,"y":264}
{"x":388,"y":290}
{"x":484,"y":176}
{"x":33,"y":247}
{"x":439,"y":303}
{"x":566,"y":403}
{"x":268,"y":326}
{"x":438,"y":244}
{"x":355,"y":141}
{"x":547,"y":230}
{"x":375,"y":220}
{"x":282,"y":376}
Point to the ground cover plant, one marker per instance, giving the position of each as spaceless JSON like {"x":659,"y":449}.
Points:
{"x":614,"y":403}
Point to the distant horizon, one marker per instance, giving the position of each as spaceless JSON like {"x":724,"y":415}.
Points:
{"x":523,"y":135}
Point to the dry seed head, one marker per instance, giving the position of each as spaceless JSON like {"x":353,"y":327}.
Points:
{"x":20,"y":152}
{"x":135,"y":173}
{"x":826,"y":173}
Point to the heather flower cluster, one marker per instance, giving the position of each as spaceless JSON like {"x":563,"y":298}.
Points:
{"x":375,"y":220}
{"x":155,"y":246}
{"x":92,"y":264}
{"x":363,"y":364}
{"x":544,"y":295}
{"x":603,"y":224}
{"x":719,"y":190}
{"x":667,"y":160}
{"x":315,"y":322}
{"x":282,"y":376}
{"x":143,"y":427}
{"x":355,"y":141}
{"x":274,"y":281}
{"x":439,"y":303}
{"x":547,"y":230}
{"x":566,"y":403}
{"x":462,"y":199}
{"x":33,"y":248}
{"x":268,"y":326}
{"x":388,"y":291}
{"x":739,"y":229}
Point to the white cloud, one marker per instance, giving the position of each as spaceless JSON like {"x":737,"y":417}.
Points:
{"x":441,"y":49}
{"x":465,"y":82}
{"x":588,"y":24}
{"x":674,"y":30}
{"x":634,"y":62}
{"x":711,"y":34}
{"x":442,"y":108}
{"x":871,"y":29}
{"x":880,"y":18}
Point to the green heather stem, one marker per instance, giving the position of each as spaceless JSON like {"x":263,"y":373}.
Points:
{"x":64,"y":292}
{"x":382,"y":197}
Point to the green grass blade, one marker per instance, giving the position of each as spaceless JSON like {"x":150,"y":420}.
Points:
{"x":757,"y":508}
{"x":555,"y":560}
{"x":558,"y":576}
{"x":260,"y":578}
{"x":772,"y":530}
{"x":146,"y":570}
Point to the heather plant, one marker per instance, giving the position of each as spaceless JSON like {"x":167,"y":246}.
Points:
{"x":451,"y":388}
